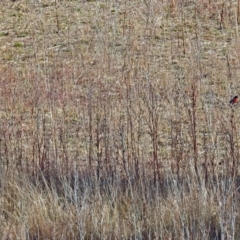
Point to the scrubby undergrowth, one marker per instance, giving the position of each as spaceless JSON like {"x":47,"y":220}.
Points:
{"x":115,"y":121}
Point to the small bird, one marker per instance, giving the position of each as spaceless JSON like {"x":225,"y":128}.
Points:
{"x":234,"y":100}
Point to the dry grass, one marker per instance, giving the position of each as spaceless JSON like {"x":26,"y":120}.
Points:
{"x":115,"y":121}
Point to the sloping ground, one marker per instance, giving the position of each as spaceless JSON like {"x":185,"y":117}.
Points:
{"x":95,"y":79}
{"x":110,"y":93}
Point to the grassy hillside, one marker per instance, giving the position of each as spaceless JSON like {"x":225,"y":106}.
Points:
{"x":115,"y":122}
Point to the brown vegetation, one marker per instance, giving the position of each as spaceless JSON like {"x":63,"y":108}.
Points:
{"x":115,"y":121}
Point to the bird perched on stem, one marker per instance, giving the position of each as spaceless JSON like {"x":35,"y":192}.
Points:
{"x":234,"y":100}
